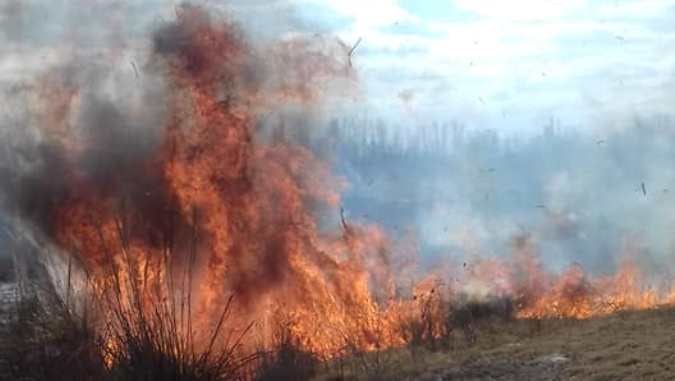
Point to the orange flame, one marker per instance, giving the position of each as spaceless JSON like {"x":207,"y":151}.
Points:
{"x":242,"y":207}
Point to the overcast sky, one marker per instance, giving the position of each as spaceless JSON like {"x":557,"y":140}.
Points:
{"x":508,"y":65}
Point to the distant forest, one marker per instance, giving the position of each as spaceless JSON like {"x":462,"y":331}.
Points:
{"x":581,"y":196}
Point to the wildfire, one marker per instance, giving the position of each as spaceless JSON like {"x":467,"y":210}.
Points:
{"x":237,"y":212}
{"x":576,"y":295}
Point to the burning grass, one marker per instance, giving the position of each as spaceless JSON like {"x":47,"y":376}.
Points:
{"x":117,"y":331}
{"x":100,"y":332}
{"x":206,"y":194}
{"x":140,"y":336}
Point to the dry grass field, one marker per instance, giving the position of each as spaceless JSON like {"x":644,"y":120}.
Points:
{"x":637,"y":345}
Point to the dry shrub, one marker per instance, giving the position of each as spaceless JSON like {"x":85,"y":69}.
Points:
{"x":47,"y":341}
{"x":120,"y":325}
{"x":466,"y":314}
{"x":286,"y":360}
{"x":6,"y":269}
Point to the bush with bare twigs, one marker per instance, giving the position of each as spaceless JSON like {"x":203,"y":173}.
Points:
{"x":286,"y":360}
{"x":120,"y":325}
